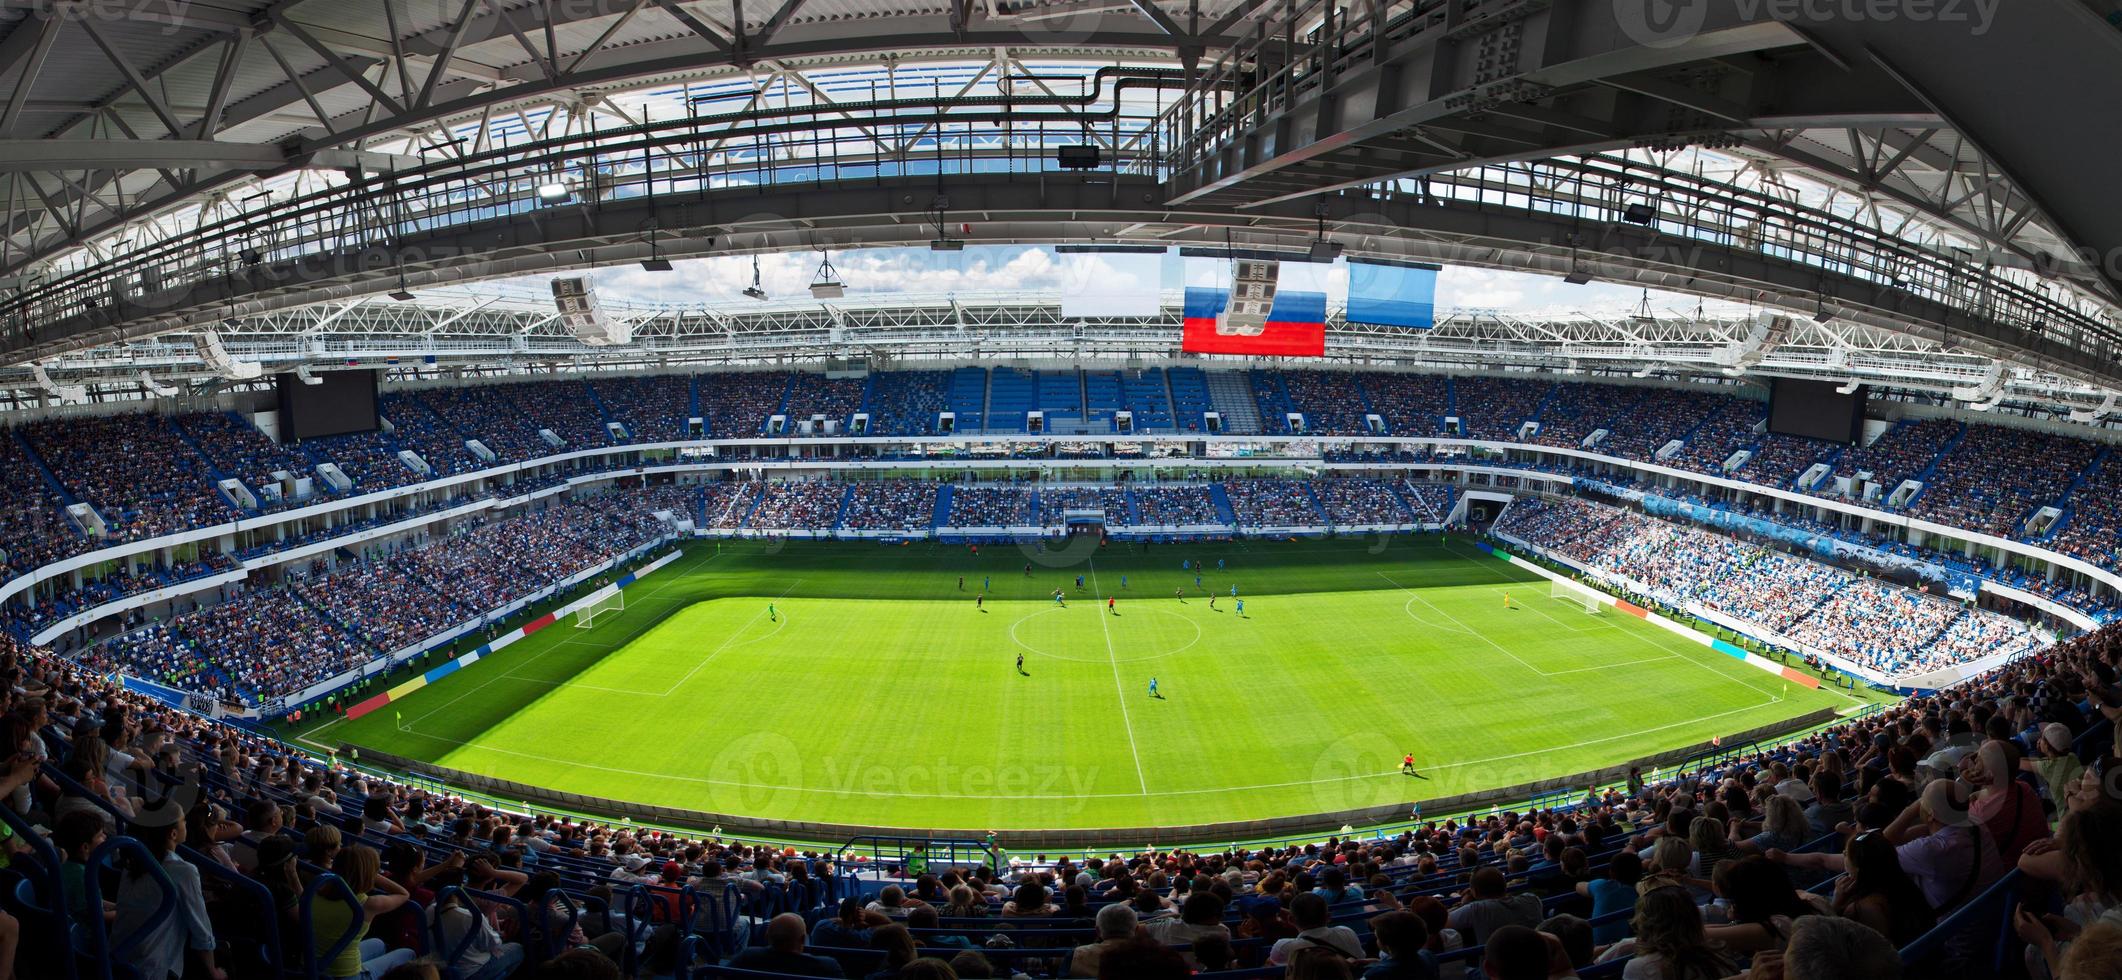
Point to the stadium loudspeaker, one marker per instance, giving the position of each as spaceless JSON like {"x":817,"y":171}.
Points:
{"x":1638,"y":213}
{"x":1077,"y":157}
{"x":582,"y":316}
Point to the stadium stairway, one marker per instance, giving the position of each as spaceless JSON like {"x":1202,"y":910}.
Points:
{"x":758,"y":498}
{"x":1930,"y":469}
{"x":1148,"y":395}
{"x":788,"y":387}
{"x":869,"y":395}
{"x":206,"y":462}
{"x":692,"y":397}
{"x":2067,"y":501}
{"x":1225,"y":513}
{"x":941,"y":515}
{"x":1134,"y":512}
{"x":1188,"y":389}
{"x":847,"y":498}
{"x":1687,"y":438}
{"x":1613,"y":423}
{"x":1540,"y":407}
{"x":1232,"y":400}
{"x":1273,"y":399}
{"x":326,"y":614}
{"x":1318,"y":508}
{"x":2099,"y":459}
{"x":604,"y":412}
{"x":965,"y":396}
{"x":415,"y":402}
{"x":1416,"y":505}
{"x":1832,"y":460}
{"x":51,"y":479}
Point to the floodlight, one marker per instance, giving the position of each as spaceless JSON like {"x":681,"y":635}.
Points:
{"x":827,"y":285}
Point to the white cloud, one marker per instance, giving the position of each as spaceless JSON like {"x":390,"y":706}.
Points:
{"x":720,"y":281}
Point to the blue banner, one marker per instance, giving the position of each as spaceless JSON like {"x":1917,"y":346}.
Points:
{"x":1392,"y":295}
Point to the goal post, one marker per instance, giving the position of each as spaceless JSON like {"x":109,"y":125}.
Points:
{"x":600,"y":608}
{"x":1576,"y":594}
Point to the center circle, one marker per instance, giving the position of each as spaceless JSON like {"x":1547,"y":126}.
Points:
{"x":1119,"y":652}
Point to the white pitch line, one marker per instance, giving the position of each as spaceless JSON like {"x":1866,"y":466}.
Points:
{"x":1483,"y":637}
{"x":898,"y":794}
{"x":505,"y":675}
{"x":1113,"y":658}
{"x":727,"y":640}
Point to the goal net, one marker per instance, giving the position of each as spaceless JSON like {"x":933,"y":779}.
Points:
{"x":1576,"y":594}
{"x":590,"y":615}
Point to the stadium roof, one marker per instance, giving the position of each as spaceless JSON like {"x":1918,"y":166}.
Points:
{"x":1902,"y":174}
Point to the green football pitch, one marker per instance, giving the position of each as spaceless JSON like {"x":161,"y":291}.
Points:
{"x":861,"y":684}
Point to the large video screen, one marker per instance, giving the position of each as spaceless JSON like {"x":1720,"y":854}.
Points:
{"x":344,"y":402}
{"x":1814,"y":409}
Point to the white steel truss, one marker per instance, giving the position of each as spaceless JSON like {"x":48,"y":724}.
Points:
{"x":495,"y":329}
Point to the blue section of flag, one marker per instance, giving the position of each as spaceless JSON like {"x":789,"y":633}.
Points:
{"x":1297,"y":307}
{"x":1204,"y":303}
{"x":1392,"y":296}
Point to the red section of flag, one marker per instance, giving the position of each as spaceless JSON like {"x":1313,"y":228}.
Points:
{"x":538,"y":624}
{"x":1274,"y":340}
{"x":1632,"y":609}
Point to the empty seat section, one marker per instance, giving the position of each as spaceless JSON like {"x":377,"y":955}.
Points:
{"x":1190,"y":398}
{"x":968,"y":398}
{"x":1102,"y":399}
{"x":1144,"y":394}
{"x":1060,"y":396}
{"x":1011,"y":396}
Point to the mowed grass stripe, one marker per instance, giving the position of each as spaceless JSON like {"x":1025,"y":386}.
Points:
{"x":882,"y":696}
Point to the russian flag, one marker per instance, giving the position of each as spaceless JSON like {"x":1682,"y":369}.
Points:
{"x":1296,"y":321}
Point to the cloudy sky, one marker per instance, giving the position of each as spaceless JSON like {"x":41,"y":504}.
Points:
{"x":719,"y":282}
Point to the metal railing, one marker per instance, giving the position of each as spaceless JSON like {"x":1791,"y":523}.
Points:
{"x":759,"y":147}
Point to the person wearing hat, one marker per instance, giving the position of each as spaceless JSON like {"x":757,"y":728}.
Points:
{"x":159,"y":948}
{"x":2054,"y":762}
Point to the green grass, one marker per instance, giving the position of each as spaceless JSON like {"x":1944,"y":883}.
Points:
{"x":879,"y":695}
